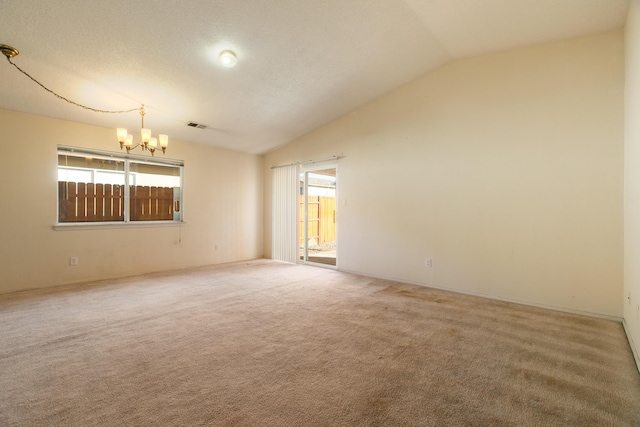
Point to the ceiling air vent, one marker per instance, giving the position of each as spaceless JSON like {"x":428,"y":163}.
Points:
{"x":196,"y":125}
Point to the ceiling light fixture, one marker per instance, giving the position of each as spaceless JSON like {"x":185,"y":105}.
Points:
{"x":228,"y":58}
{"x":125,"y":139}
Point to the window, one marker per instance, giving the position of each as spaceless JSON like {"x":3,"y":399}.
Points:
{"x":103,"y":187}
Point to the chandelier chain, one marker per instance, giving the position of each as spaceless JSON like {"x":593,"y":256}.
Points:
{"x":125,"y":139}
{"x":95,"y":110}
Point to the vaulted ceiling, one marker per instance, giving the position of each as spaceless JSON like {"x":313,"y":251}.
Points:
{"x":300,"y":64}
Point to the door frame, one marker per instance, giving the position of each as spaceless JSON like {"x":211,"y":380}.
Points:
{"x":303,"y":172}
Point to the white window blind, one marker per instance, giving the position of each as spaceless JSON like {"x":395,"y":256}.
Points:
{"x":285,"y":194}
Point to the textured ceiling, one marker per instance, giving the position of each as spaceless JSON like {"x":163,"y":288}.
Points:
{"x":301,"y":63}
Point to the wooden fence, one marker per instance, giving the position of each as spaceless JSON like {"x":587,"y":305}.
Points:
{"x":80,"y":202}
{"x":321,"y":218}
{"x":151,"y":203}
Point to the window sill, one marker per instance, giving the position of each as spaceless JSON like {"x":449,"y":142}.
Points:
{"x":112,"y":225}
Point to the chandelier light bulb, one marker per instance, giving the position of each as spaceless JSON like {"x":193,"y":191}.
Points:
{"x":122,"y":135}
{"x":228,"y":58}
{"x":145,"y":135}
{"x":164,"y":140}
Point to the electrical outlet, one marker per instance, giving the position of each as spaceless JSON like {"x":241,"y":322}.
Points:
{"x":73,"y":260}
{"x":428,"y":263}
{"x":216,"y":247}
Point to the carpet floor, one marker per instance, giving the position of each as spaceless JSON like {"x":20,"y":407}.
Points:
{"x":262,"y":343}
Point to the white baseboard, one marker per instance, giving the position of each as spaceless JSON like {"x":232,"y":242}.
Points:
{"x":631,"y":344}
{"x":494,"y":297}
{"x":636,"y":356}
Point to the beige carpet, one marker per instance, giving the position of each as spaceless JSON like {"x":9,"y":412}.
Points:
{"x":268,"y":344}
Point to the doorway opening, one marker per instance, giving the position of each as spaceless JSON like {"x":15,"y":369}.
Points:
{"x":318,"y":219}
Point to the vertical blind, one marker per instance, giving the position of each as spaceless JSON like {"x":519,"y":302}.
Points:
{"x":284,"y":206}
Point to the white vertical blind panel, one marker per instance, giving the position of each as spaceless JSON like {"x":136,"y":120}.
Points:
{"x":285,"y":214}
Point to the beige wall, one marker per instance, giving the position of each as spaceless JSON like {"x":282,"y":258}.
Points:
{"x":506,"y":170}
{"x":631,"y":296}
{"x":222,"y":200}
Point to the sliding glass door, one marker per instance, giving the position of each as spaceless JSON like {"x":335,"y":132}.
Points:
{"x":317,"y":215}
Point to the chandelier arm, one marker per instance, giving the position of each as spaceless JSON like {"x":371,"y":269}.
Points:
{"x":95,"y":110}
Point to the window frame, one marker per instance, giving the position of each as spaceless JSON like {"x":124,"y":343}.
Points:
{"x":126,"y":159}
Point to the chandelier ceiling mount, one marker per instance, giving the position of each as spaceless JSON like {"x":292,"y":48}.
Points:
{"x":8,"y":51}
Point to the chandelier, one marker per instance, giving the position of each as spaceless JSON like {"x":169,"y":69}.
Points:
{"x":146,"y":141}
{"x":126,"y":140}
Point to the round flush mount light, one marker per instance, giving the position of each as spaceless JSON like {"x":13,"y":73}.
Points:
{"x":228,"y":58}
